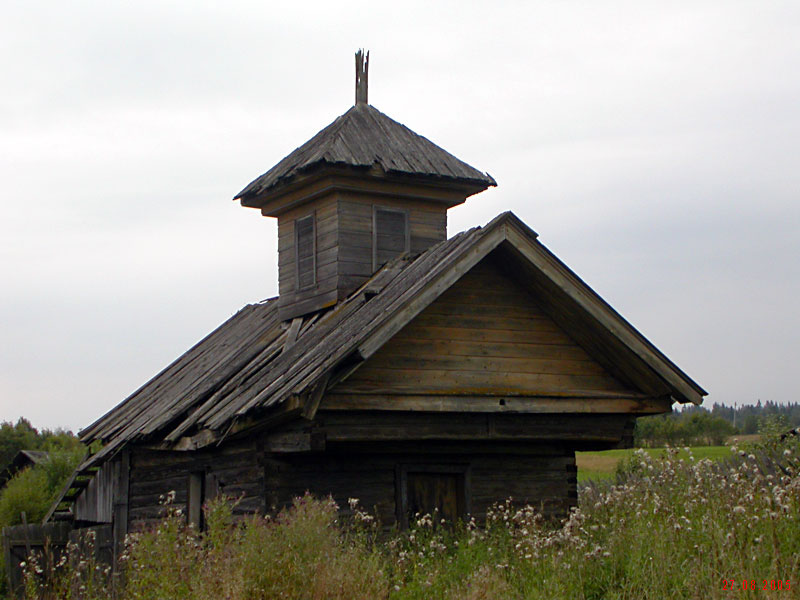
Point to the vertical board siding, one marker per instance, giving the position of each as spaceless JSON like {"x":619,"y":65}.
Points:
{"x":95,"y":504}
{"x":486,"y":335}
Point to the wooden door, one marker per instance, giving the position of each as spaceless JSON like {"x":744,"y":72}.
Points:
{"x":436,"y":493}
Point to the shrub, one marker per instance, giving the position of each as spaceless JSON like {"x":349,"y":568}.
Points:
{"x":302,"y":553}
{"x":34,"y":489}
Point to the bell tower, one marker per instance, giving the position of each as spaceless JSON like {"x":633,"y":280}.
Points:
{"x":361,"y":192}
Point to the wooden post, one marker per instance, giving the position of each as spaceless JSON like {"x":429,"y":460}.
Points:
{"x":9,"y":568}
{"x":27,"y":537}
{"x":120,"y":506}
{"x":362,"y":75}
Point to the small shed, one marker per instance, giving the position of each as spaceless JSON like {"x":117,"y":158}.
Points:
{"x":397,"y":365}
{"x":22,"y":460}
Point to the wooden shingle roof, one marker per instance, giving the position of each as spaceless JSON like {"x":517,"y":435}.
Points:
{"x":253,"y":361}
{"x":364,"y":137}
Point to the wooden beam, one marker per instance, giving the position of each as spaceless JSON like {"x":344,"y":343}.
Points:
{"x":294,"y":442}
{"x":327,"y":180}
{"x":314,"y":398}
{"x":486,"y":404}
{"x":291,"y":408}
{"x":291,"y":335}
{"x":205,"y":437}
{"x":379,"y":426}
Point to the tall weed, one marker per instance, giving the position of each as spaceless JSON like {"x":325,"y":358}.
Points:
{"x":671,"y":527}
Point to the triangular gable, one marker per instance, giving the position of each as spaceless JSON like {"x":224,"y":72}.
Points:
{"x":485,"y":336}
{"x":566,"y":298}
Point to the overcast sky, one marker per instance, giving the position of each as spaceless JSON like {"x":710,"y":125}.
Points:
{"x":652,"y":145}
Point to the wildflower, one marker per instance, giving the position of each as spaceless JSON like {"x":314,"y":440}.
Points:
{"x":738,"y":510}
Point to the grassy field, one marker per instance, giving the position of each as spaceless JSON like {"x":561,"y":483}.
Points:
{"x":600,"y":465}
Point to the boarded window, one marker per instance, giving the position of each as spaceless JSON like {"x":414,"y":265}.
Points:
{"x":438,"y":490}
{"x":305,"y":246}
{"x":390,"y":235}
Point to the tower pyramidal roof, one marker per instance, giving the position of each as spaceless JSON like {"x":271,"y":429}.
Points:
{"x":365,"y":139}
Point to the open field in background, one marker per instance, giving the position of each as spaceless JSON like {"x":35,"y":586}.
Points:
{"x":599,"y":466}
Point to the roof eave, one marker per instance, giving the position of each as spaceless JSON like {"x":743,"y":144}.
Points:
{"x":324,"y":178}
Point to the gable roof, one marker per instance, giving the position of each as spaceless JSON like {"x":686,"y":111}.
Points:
{"x":363,"y":137}
{"x":253,"y":361}
{"x":22,"y":459}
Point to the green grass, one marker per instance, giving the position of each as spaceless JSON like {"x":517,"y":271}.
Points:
{"x":599,"y":466}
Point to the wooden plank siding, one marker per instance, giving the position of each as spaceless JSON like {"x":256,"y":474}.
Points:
{"x":486,"y":335}
{"x":325,"y":223}
{"x":427,"y":225}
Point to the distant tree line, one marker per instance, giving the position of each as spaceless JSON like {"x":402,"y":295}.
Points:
{"x":699,"y":426}
{"x":751,"y":418}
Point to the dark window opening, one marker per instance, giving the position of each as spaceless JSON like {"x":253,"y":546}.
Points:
{"x":390,"y":235}
{"x":441,"y":491}
{"x":306,"y":255}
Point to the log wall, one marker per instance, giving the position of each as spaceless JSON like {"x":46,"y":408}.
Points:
{"x":233,"y":469}
{"x":543,"y":476}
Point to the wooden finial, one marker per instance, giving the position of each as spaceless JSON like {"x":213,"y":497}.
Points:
{"x":362,"y":75}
